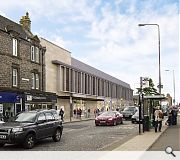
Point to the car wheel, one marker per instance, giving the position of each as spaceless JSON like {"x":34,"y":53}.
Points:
{"x":29,"y":141}
{"x":2,"y":144}
{"x":115,"y":123}
{"x":57,"y":135}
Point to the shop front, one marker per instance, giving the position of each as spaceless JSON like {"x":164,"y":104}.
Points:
{"x":42,"y":100}
{"x":10,"y":104}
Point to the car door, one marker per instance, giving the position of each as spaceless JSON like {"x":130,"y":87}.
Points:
{"x":41,"y":126}
{"x":50,"y":123}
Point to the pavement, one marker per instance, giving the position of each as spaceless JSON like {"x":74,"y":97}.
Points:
{"x":147,"y":140}
{"x":169,"y":138}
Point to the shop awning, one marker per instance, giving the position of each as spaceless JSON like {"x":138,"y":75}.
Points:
{"x":8,"y":97}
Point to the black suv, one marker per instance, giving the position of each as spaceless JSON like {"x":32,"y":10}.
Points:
{"x":28,"y":127}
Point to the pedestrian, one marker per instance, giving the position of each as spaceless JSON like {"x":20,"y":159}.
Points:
{"x":80,"y":112}
{"x":174,"y":117}
{"x":89,"y":112}
{"x":74,"y":111}
{"x":8,"y":114}
{"x":61,"y":113}
{"x":158,"y":119}
{"x":95,"y":112}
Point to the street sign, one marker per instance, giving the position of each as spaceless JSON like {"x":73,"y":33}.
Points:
{"x":145,"y":82}
{"x":158,"y":86}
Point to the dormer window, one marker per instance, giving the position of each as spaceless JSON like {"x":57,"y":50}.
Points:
{"x":14,"y":47}
{"x":35,"y":54}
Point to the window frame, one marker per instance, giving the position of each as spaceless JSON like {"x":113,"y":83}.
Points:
{"x":15,"y":47}
{"x":37,"y":81}
{"x":16,"y":77}
{"x":33,"y":84}
{"x":35,"y":54}
{"x":32,"y":53}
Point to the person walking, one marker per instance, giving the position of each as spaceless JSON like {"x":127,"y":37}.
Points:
{"x":158,"y":119}
{"x":61,"y":113}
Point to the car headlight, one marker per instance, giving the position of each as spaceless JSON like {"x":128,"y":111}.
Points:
{"x":110,"y":119}
{"x":17,"y":129}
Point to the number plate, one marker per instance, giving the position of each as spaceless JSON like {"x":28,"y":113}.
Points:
{"x":102,"y":121}
{"x":2,"y":136}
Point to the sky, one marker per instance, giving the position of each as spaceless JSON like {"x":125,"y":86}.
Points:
{"x":105,"y":34}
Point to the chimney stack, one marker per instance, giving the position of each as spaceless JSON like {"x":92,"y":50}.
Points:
{"x":26,"y":22}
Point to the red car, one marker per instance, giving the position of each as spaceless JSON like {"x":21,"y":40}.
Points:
{"x":109,"y":118}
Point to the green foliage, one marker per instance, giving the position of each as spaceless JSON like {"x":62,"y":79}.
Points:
{"x":148,"y":90}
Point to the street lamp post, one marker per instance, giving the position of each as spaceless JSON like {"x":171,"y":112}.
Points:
{"x":141,"y":25}
{"x":174,"y":101}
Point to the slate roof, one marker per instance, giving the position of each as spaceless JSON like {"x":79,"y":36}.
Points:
{"x":82,"y":66}
{"x":7,"y":24}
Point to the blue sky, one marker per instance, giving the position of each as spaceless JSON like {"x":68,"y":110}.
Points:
{"x":105,"y":34}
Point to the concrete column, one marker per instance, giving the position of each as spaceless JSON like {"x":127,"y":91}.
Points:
{"x":64,"y":83}
{"x":58,"y":79}
{"x":74,"y":84}
{"x":90,"y":85}
{"x":70,"y":89}
{"x":81,"y":82}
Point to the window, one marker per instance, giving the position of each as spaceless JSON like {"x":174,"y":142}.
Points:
{"x":14,"y":78}
{"x":41,"y":117}
{"x":32,"y":53}
{"x":35,"y":81}
{"x":35,"y":54}
{"x":49,"y":117}
{"x":14,"y":47}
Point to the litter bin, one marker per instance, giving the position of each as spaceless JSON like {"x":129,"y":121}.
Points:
{"x":146,"y":123}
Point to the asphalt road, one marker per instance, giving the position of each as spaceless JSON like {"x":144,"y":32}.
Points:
{"x":85,"y":136}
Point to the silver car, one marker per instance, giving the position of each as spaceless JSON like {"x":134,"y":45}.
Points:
{"x":129,"y":111}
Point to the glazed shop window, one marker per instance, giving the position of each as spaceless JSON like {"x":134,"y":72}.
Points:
{"x":35,"y":54}
{"x":14,"y":77}
{"x":35,"y":81}
{"x":14,"y":47}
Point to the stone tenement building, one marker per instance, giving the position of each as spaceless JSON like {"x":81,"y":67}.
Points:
{"x":22,"y":69}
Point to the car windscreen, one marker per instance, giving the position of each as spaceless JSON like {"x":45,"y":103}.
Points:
{"x":25,"y":117}
{"x":129,"y":109}
{"x":107,"y":114}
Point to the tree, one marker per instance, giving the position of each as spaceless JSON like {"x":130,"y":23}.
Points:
{"x":148,"y":90}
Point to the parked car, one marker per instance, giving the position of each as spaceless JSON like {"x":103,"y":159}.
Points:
{"x":135,"y":117}
{"x":129,"y":111}
{"x":27,"y":128}
{"x":109,"y":118}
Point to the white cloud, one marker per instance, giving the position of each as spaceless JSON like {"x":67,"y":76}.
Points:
{"x":114,"y":42}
